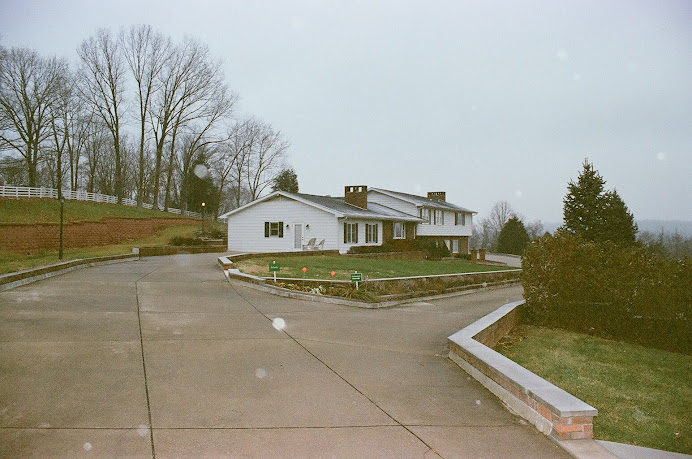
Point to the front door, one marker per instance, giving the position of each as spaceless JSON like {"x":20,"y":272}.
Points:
{"x":298,"y":236}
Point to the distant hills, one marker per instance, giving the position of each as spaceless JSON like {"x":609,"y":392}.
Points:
{"x":683,"y":227}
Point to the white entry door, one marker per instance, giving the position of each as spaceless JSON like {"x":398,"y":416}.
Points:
{"x":298,"y":236}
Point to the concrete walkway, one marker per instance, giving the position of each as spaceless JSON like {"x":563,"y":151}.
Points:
{"x":164,"y":358}
{"x":512,"y":261}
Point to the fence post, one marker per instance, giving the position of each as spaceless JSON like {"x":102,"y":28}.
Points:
{"x":474,"y":256}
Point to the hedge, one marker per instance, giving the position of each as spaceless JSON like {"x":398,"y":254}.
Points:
{"x":624,"y":293}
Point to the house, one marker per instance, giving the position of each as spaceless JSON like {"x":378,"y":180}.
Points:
{"x":286,"y":222}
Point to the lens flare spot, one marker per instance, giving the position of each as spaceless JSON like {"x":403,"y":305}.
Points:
{"x":143,"y":431}
{"x":201,"y":170}
{"x":261,"y":373}
{"x":278,"y":323}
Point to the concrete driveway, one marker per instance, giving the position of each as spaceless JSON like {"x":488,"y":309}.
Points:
{"x":163,"y":357}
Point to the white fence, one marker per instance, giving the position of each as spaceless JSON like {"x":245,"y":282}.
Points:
{"x":27,"y":192}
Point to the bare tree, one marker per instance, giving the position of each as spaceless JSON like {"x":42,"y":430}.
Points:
{"x":535,"y":229}
{"x":230,"y":159}
{"x":487,"y":230}
{"x":95,"y":142}
{"x":79,"y":126}
{"x":266,"y":156}
{"x":146,"y":53}
{"x":29,"y":87}
{"x":190,"y":84}
{"x":60,"y":128}
{"x":102,"y":78}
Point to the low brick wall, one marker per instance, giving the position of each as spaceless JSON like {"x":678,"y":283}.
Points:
{"x":552,"y":410}
{"x":440,"y":283}
{"x":415,"y":255}
{"x":390,"y":290}
{"x":41,"y":237}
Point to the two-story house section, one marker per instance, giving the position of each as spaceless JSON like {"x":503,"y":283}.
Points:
{"x":443,"y":222}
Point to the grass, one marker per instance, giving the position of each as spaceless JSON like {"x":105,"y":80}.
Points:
{"x":48,"y":211}
{"x":643,"y":395}
{"x":11,"y":262}
{"x":320,"y":267}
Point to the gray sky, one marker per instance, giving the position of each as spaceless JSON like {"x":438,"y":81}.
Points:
{"x":488,"y":101}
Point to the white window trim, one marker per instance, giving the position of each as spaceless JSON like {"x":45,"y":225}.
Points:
{"x":371,"y":233}
{"x":425,"y":214}
{"x":403,"y":230}
{"x":350,"y":230}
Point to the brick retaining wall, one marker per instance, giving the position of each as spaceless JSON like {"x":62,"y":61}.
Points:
{"x":31,"y":238}
{"x":552,"y":410}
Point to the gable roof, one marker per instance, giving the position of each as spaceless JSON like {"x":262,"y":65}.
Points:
{"x":335,"y":206}
{"x":421,"y":201}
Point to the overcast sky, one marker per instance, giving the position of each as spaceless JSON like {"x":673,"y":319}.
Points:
{"x":487,"y":101}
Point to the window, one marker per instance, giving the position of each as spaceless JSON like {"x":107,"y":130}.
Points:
{"x":370,"y":234}
{"x":424,"y":213}
{"x":350,"y":233}
{"x":460,"y":218}
{"x":439,"y":217}
{"x":399,"y":230}
{"x":273,"y":229}
{"x":455,"y":245}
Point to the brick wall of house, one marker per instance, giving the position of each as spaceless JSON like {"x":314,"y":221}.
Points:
{"x":463,"y":241}
{"x":35,"y":238}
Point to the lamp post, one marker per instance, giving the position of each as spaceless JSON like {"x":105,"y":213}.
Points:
{"x":204,"y":204}
{"x":62,"y":205}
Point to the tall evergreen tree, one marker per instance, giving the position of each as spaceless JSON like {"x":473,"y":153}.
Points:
{"x":619,"y":225}
{"x":287,"y":180}
{"x":513,"y":237}
{"x":594,"y":213}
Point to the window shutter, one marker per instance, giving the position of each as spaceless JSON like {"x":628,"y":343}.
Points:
{"x":281,"y":229}
{"x":266,"y":229}
{"x":355,"y":237}
{"x":345,"y":229}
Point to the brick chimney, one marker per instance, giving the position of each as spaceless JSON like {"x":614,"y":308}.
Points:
{"x":438,"y":195}
{"x":357,"y":196}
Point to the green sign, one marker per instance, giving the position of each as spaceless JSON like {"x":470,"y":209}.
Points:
{"x":357,"y":277}
{"x":273,"y":266}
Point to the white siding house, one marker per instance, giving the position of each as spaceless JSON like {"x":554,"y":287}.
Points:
{"x":299,"y":223}
{"x":289,"y":222}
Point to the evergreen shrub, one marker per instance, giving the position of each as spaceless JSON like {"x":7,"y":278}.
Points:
{"x":605,"y":289}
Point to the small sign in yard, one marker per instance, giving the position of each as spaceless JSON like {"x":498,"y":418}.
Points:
{"x":273,"y":268}
{"x":356,"y":277}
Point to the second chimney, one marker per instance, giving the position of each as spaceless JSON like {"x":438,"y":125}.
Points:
{"x":357,"y":196}
{"x":438,"y":195}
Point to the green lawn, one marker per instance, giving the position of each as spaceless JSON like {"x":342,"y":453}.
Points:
{"x":11,"y":262}
{"x":320,"y":267}
{"x":48,"y":211}
{"x":643,"y":395}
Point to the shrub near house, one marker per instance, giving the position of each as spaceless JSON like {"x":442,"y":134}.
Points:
{"x":624,"y":293}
